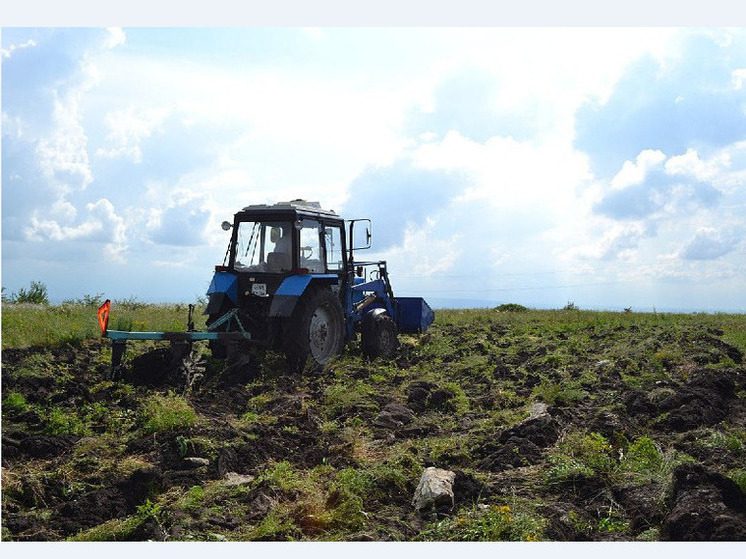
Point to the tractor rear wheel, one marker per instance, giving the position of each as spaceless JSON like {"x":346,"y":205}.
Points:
{"x":379,"y":337}
{"x":315,"y":332}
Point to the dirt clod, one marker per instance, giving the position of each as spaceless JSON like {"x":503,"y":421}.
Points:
{"x":705,"y":506}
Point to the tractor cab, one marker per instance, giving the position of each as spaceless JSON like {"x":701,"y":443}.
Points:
{"x":293,"y":237}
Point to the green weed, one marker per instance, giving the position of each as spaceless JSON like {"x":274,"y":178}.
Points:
{"x":58,"y":421}
{"x":344,"y":398}
{"x":167,"y":413}
{"x":15,"y":402}
{"x":493,"y":523}
{"x":580,"y":454}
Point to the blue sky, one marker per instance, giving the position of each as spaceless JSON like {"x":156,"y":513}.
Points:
{"x":604,"y":166}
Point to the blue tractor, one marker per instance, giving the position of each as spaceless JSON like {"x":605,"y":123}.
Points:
{"x":290,"y":282}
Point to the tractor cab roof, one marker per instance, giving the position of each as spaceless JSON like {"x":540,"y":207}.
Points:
{"x":295,"y":209}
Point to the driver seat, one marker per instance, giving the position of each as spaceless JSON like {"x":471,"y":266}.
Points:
{"x":278,"y":262}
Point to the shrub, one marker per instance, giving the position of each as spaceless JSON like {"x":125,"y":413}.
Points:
{"x":167,"y":413}
{"x":37,"y":294}
{"x":511,"y":307}
{"x":86,"y":300}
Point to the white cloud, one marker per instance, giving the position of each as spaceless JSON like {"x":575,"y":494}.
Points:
{"x":63,"y":151}
{"x":633,"y":173}
{"x":423,"y":254}
{"x":115,"y":36}
{"x":101,"y":224}
{"x":691,"y":165}
{"x":127,"y":129}
{"x":7,"y":53}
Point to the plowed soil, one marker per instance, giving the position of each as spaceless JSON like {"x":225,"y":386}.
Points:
{"x":559,"y":426}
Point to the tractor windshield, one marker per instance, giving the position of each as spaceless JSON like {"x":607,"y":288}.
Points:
{"x":264,"y":246}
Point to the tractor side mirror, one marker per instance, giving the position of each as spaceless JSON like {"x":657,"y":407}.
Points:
{"x":226,"y":226}
{"x":353,"y":237}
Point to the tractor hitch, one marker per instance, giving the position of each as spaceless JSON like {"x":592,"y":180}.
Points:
{"x":181,"y":342}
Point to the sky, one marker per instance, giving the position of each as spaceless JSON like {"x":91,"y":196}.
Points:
{"x":602,"y":166}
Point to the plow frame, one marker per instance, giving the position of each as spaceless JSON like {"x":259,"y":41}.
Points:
{"x":181,"y":342}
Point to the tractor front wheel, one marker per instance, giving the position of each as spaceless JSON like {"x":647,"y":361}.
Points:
{"x":379,"y":336}
{"x":315,"y":332}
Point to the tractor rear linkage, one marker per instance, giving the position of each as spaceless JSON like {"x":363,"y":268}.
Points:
{"x":181,"y":342}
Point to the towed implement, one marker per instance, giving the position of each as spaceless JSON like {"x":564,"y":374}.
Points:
{"x":290,"y":282}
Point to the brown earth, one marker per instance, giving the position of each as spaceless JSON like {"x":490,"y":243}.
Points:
{"x":77,"y":454}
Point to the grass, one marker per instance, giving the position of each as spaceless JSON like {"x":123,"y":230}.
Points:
{"x":31,"y":325}
{"x":167,"y":413}
{"x":15,"y":402}
{"x":488,"y":523}
{"x":580,"y":454}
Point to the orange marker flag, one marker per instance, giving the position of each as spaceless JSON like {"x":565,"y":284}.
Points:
{"x":103,"y":316}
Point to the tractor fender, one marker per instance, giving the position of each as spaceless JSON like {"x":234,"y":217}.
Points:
{"x":224,"y":285}
{"x":292,"y":289}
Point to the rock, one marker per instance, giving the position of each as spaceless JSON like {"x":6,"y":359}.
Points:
{"x":259,"y":506}
{"x":435,"y":489}
{"x":705,"y":506}
{"x":193,"y":462}
{"x":394,"y":416}
{"x":232,"y":479}
{"x":537,"y":409}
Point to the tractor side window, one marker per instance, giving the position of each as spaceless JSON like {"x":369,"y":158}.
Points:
{"x":333,"y":240}
{"x":311,"y":256}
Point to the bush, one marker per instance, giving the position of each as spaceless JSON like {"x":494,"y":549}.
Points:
{"x":37,"y":294}
{"x":511,"y":307}
{"x":167,"y":413}
{"x":86,"y":300}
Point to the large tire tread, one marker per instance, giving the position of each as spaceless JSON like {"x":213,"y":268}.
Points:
{"x":295,"y":334}
{"x":379,"y":338}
